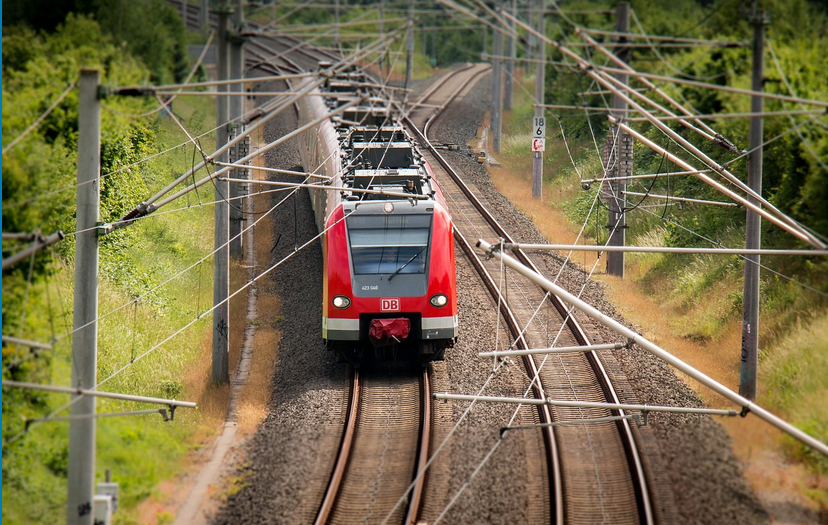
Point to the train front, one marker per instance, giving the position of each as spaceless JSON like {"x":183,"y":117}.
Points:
{"x":390,"y":289}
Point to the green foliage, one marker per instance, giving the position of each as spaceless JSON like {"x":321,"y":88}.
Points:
{"x":39,"y":176}
{"x":151,"y":30}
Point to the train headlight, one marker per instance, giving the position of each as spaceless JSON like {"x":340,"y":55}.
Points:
{"x":341,"y":302}
{"x":438,"y":300}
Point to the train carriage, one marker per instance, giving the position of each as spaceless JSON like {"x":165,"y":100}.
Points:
{"x":389,"y":286}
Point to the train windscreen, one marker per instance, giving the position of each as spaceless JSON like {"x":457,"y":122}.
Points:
{"x":389,"y":244}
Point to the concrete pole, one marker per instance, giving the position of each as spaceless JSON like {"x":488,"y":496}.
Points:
{"x":336,"y":23}
{"x":497,"y":93}
{"x":621,"y":153}
{"x":381,"y":34}
{"x":221,"y":261}
{"x":508,"y":86}
{"x":81,"y":468}
{"x":409,"y":45}
{"x":753,"y":226}
{"x":236,"y":110}
{"x":204,"y":14}
{"x":531,"y":40}
{"x":540,"y":86}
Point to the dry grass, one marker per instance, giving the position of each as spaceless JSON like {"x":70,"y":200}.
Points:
{"x":513,"y":179}
{"x":212,"y":399}
{"x":255,"y":395}
{"x":253,"y":402}
{"x":238,"y":313}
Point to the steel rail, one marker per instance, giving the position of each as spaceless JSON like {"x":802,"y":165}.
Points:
{"x":423,"y":451}
{"x":344,"y":451}
{"x":553,"y":458}
{"x":434,"y":87}
{"x":544,"y":413}
{"x":625,"y":430}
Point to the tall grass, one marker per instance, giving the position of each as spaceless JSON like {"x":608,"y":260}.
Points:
{"x":793,"y":372}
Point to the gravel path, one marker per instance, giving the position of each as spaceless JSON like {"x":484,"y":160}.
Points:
{"x":289,"y":458}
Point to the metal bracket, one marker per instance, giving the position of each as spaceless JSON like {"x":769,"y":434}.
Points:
{"x":103,"y":228}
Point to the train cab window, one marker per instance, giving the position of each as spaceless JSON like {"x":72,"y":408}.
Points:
{"x":388,"y":244}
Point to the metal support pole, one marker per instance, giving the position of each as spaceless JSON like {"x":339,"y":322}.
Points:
{"x":508,"y":85}
{"x":409,"y":45}
{"x":753,"y":226}
{"x":236,"y":110}
{"x":540,"y":72}
{"x":497,"y":93}
{"x":81,"y":468}
{"x":221,"y":261}
{"x":621,"y":158}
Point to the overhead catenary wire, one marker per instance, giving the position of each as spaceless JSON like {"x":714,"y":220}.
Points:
{"x":662,"y":354}
{"x":484,"y":461}
{"x":779,"y":218}
{"x":197,"y":318}
{"x":717,"y":87}
{"x":164,"y":104}
{"x":494,"y":447}
{"x":150,"y":205}
{"x":291,"y":186}
{"x":716,"y":243}
{"x":798,"y":232}
{"x":643,"y":35}
{"x":673,"y":68}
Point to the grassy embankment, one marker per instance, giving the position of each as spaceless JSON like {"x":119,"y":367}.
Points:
{"x":142,"y":450}
{"x":690,"y":305}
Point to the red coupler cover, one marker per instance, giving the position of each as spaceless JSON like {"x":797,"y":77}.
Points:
{"x":388,"y":331}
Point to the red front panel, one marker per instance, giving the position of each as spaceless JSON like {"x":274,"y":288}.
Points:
{"x":441,"y":273}
{"x":337,"y":267}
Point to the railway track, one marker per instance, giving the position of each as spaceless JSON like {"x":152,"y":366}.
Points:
{"x":384,"y":449}
{"x":595,"y":472}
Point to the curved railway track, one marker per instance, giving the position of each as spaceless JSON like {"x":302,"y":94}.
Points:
{"x":595,"y":469}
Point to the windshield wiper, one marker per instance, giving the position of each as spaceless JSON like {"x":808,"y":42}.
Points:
{"x":398,"y":270}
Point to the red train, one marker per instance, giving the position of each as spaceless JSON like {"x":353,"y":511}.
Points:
{"x":390,"y":288}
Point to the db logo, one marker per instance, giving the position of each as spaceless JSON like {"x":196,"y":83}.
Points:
{"x":390,"y":305}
